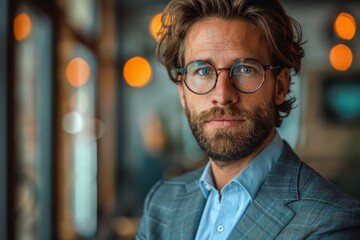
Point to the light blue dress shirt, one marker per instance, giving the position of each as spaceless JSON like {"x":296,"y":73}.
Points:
{"x":223,"y":211}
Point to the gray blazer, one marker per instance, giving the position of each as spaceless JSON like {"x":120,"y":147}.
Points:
{"x":294,"y":202}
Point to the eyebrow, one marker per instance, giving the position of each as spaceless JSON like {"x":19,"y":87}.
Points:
{"x":234,"y":61}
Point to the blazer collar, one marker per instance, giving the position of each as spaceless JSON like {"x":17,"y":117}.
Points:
{"x":269,"y":214}
{"x":282,"y":181}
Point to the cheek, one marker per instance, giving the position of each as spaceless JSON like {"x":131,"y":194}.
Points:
{"x":253,"y":100}
{"x":267,"y":92}
{"x":196,"y":103}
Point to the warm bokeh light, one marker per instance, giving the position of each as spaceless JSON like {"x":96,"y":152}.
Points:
{"x":341,"y":57}
{"x":22,"y":26}
{"x":155,"y":26}
{"x":77,"y":72}
{"x":345,"y":26}
{"x":137,"y":72}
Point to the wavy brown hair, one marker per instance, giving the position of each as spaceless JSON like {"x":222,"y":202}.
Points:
{"x":281,"y":32}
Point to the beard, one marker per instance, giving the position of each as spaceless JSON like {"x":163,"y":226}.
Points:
{"x":227,"y":145}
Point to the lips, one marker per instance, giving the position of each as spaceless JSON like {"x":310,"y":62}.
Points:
{"x":225,"y":121}
{"x":226,"y":118}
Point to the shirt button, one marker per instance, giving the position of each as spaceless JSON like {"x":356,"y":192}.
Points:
{"x":207,"y":186}
{"x":220,"y":228}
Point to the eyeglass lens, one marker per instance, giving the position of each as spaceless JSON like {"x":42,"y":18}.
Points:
{"x":247,"y":76}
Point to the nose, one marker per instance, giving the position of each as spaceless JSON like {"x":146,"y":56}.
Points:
{"x":224,"y":93}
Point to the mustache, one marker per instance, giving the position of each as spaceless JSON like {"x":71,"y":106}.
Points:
{"x":205,"y":116}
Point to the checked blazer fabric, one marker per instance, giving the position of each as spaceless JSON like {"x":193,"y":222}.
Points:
{"x":294,"y":202}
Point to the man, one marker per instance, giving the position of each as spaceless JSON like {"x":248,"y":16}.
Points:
{"x":231,"y":60}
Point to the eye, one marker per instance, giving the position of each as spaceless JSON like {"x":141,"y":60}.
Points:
{"x":246,"y":69}
{"x":204,"y":71}
{"x":243,"y":69}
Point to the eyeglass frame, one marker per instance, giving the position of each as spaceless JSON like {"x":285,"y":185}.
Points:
{"x":218,"y":71}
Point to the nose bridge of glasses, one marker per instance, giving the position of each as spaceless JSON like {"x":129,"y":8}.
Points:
{"x":218,"y":70}
{"x":227,"y":76}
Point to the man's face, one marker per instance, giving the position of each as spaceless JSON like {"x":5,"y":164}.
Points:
{"x":230,"y":125}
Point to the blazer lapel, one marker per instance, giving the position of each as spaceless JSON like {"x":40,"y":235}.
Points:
{"x":268,"y":213}
{"x":264,"y":219}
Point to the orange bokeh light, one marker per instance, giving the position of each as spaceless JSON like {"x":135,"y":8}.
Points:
{"x":77,"y":72}
{"x":22,"y":26}
{"x":155,"y":26}
{"x":341,"y":57}
{"x":137,"y":72}
{"x":345,"y":26}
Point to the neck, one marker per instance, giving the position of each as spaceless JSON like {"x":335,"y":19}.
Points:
{"x":224,"y":173}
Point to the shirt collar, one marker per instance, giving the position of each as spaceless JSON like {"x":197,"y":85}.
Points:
{"x":253,"y":175}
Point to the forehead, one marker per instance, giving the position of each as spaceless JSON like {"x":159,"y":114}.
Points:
{"x":218,"y":39}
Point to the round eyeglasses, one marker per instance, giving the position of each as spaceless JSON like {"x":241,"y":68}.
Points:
{"x":247,"y":75}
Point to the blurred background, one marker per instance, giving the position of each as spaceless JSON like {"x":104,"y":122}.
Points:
{"x":89,"y":121}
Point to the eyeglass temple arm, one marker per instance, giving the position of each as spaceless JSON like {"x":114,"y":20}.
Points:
{"x":271,"y":67}
{"x":180,"y":70}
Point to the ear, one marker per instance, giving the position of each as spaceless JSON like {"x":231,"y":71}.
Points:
{"x":282,"y":86}
{"x":181,"y":93}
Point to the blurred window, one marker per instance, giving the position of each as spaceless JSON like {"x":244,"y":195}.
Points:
{"x":33,"y":111}
{"x":82,"y":15}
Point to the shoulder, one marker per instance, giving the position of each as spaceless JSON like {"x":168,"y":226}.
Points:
{"x":311,"y":186}
{"x":320,"y":207}
{"x":172,"y":188}
{"x":325,"y":208}
{"x":308,"y":184}
{"x":314,"y":187}
{"x":168,"y":203}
